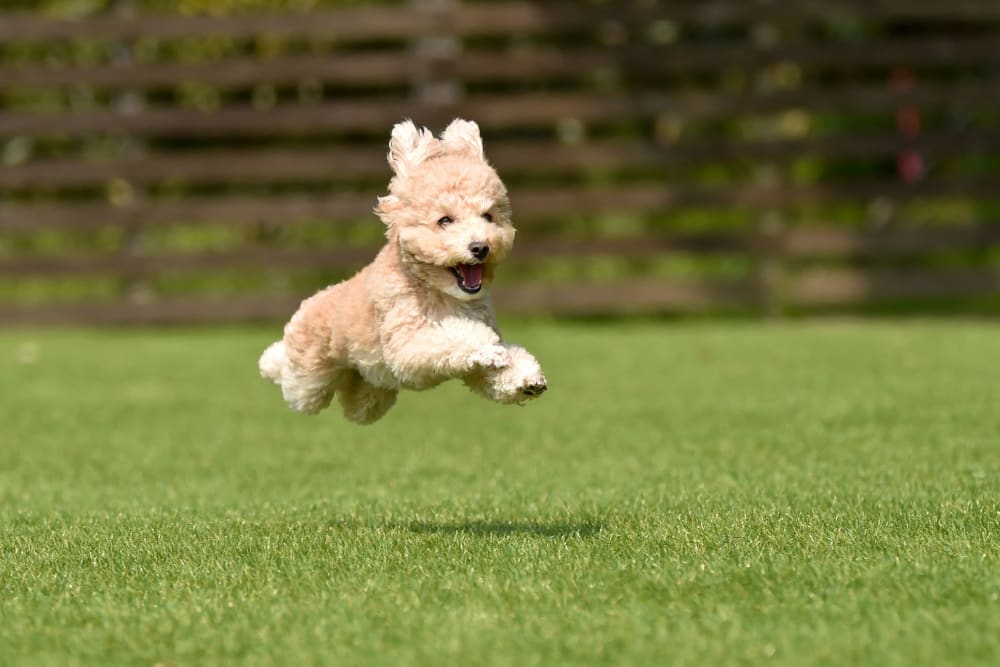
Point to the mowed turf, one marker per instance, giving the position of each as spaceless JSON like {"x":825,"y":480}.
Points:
{"x":684,"y":494}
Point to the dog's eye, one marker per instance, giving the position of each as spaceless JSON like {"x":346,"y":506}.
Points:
{"x":445,"y":221}
{"x":488,"y":217}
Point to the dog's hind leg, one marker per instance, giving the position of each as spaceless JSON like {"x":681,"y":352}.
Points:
{"x":308,"y":380}
{"x":307,"y":392}
{"x":305,"y":363}
{"x":363,"y":402}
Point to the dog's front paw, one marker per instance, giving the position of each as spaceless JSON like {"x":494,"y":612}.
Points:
{"x":534,"y":386}
{"x":512,"y":385}
{"x":494,"y":356}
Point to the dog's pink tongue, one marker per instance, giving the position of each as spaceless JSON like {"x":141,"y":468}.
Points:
{"x":472,"y":274}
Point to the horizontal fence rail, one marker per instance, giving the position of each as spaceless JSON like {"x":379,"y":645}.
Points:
{"x":367,"y":23}
{"x":379,"y":69}
{"x":499,"y":112}
{"x":665,"y":156}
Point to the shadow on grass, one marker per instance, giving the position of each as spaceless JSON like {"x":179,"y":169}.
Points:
{"x":584,"y":529}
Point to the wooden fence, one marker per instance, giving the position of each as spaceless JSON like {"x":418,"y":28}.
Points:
{"x":669,"y":156}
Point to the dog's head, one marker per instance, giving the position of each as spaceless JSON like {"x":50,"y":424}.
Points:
{"x":446,"y":209}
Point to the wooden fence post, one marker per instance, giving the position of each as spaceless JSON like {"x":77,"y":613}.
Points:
{"x":770,"y":263}
{"x":122,"y":192}
{"x":434,"y":83}
{"x":770,"y":223}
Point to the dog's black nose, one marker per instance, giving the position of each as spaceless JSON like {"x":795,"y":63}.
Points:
{"x":479,"y":249}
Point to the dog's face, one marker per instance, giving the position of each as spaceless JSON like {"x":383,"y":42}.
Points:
{"x":446,"y":209}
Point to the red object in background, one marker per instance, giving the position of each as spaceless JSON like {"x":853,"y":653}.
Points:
{"x":910,"y":166}
{"x":909,"y":163}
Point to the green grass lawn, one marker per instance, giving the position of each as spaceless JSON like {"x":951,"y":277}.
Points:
{"x":684,"y":494}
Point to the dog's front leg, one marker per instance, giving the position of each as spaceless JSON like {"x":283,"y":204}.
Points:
{"x":453,"y":347}
{"x":519,"y":381}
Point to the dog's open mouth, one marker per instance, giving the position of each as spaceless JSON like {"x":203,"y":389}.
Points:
{"x":469,"y":276}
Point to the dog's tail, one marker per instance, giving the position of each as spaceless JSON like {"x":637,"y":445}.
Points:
{"x":272,"y":362}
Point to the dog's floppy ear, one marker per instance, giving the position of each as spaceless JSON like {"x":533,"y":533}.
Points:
{"x":409,"y":146}
{"x":463,"y":135}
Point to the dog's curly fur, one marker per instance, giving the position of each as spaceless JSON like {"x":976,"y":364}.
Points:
{"x":419,"y":314}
